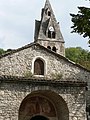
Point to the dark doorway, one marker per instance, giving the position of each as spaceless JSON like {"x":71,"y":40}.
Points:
{"x":39,"y":67}
{"x":39,"y":117}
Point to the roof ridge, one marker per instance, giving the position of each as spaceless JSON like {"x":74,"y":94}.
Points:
{"x":16,"y":50}
{"x":56,"y":54}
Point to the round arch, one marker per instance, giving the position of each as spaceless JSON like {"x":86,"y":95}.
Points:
{"x":44,"y":63}
{"x":54,"y":49}
{"x":45,"y":103}
{"x":38,"y":67}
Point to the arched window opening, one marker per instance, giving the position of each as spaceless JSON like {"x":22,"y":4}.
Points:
{"x":53,"y":35}
{"x":49,"y":47}
{"x":38,"y":67}
{"x":54,"y":49}
{"x":49,"y":34}
{"x":49,"y":13}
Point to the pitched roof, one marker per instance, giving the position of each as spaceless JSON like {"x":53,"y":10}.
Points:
{"x":37,"y":28}
{"x":41,"y":26}
{"x":46,"y":49}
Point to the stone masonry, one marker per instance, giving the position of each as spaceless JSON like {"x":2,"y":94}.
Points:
{"x":20,"y":62}
{"x":37,"y":81}
{"x":13,"y":93}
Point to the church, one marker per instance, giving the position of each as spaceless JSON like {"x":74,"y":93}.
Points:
{"x":37,"y":81}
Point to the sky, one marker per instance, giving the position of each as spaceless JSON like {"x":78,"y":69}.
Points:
{"x":17,"y":21}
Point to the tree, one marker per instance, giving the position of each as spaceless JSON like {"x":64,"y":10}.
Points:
{"x":2,"y":51}
{"x":73,"y":53}
{"x":81,"y":22}
{"x":78,"y":55}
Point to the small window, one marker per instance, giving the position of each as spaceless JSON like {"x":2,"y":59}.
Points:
{"x":49,"y":47}
{"x":54,"y":49}
{"x":38,"y":67}
{"x":49,"y":34}
{"x":53,"y":35}
{"x":49,"y":13}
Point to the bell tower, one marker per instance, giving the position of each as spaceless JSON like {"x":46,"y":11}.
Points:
{"x":47,"y":31}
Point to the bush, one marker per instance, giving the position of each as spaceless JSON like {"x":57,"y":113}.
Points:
{"x":28,"y":74}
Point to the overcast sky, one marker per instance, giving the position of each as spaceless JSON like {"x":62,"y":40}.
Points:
{"x":17,"y":21}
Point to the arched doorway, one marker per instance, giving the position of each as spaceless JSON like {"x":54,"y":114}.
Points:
{"x":42,"y":103}
{"x":39,"y":117}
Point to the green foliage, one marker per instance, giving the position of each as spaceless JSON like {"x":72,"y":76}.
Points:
{"x":28,"y":74}
{"x":81,"y":22}
{"x":72,"y":53}
{"x":56,"y":76}
{"x":2,"y":51}
{"x":78,"y":55}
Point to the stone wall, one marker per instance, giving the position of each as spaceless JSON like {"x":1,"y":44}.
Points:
{"x":60,"y":49}
{"x":12,"y":95}
{"x":22,"y":62}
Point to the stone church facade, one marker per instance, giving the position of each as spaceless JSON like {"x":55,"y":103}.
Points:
{"x":38,"y":82}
